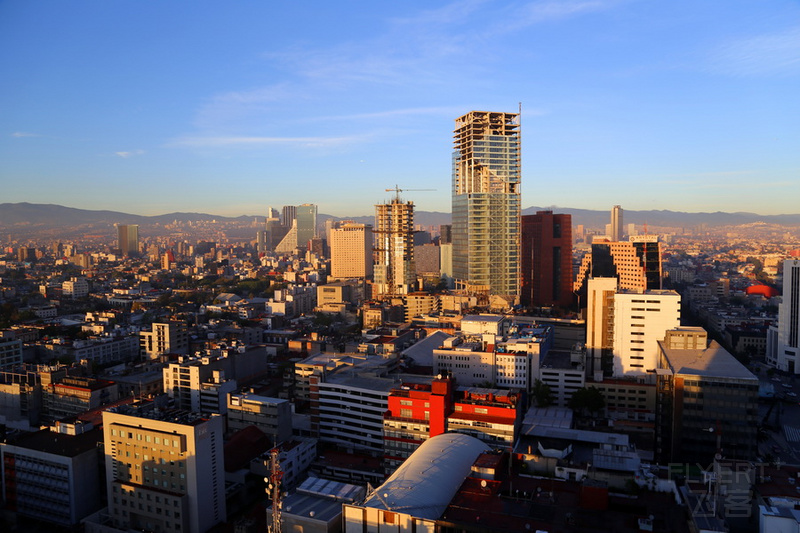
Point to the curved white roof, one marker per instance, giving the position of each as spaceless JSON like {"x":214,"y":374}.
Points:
{"x":426,"y":482}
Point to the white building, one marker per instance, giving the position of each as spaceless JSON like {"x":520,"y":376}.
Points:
{"x":783,"y":342}
{"x":640,"y":320}
{"x":164,"y":338}
{"x":75,"y":288}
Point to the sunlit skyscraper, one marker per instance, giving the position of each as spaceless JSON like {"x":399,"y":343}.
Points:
{"x":486,"y":202}
{"x":395,"y":272}
{"x":616,"y":224}
{"x":128,"y":237}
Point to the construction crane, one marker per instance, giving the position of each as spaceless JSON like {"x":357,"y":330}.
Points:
{"x":398,"y":190}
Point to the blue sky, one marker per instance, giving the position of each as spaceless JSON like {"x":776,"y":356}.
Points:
{"x":151,"y":107}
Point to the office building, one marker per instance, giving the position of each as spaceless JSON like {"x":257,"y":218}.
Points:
{"x":394,"y":270}
{"x":273,"y":416}
{"x":783,"y":342}
{"x":53,"y":474}
{"x":708,"y":401}
{"x":351,"y":251}
{"x":306,"y":217}
{"x":75,"y":288}
{"x":546,"y":260}
{"x":616,"y":224}
{"x":128,"y":239}
{"x":640,"y":321}
{"x":486,"y":202}
{"x":636,"y":264}
{"x":164,"y":469}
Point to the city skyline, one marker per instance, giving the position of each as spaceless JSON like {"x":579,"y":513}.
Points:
{"x":153,"y":109}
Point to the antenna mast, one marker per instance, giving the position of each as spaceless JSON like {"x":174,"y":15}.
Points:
{"x":274,"y":487}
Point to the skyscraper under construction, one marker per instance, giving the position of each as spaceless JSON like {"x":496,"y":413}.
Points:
{"x":486,"y":202}
{"x":394,"y":248}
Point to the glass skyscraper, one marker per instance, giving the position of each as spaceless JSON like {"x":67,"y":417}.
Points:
{"x":486,"y":202}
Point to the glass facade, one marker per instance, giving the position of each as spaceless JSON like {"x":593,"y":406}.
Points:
{"x":486,"y":202}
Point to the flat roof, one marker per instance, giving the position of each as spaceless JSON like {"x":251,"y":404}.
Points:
{"x":714,"y":361}
{"x":59,"y":443}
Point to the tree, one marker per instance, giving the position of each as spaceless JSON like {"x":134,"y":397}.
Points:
{"x":542,"y":394}
{"x":587,"y":399}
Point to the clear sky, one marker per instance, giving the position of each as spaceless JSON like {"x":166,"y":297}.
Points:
{"x":228,"y":107}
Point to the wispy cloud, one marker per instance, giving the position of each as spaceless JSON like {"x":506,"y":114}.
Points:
{"x":126,"y":155}
{"x":540,"y":12}
{"x":304,"y":142}
{"x":402,"y":56}
{"x":776,"y":53}
{"x":24,"y":134}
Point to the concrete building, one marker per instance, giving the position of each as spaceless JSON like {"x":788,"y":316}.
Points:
{"x":164,"y":469}
{"x":600,"y":327}
{"x":486,"y":202}
{"x":273,"y":416}
{"x":708,"y":401}
{"x":70,"y":396}
{"x":10,"y":352}
{"x":164,"y":338}
{"x":351,"y":251}
{"x":394,"y":270}
{"x":53,"y":474}
{"x":546,"y":260}
{"x":640,"y":321}
{"x":75,"y":288}
{"x":199,"y":384}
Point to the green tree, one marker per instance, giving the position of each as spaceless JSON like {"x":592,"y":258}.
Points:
{"x":542,"y":394}
{"x":587,"y":399}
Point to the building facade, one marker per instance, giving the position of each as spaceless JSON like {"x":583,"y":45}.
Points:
{"x":164,"y":469}
{"x":395,"y":272}
{"x":546,"y":260}
{"x":128,"y":239}
{"x":486,"y":202}
{"x":351,"y":251}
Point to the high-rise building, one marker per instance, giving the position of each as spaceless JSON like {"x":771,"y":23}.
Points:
{"x":640,"y":321}
{"x":600,"y":327}
{"x":306,"y":216}
{"x":616,"y":224}
{"x":351,"y":251}
{"x":708,"y":401}
{"x":394,"y":268}
{"x":164,"y":469}
{"x":486,"y":202}
{"x":635,"y":263}
{"x":288,"y":214}
{"x":546,"y":260}
{"x":783,"y":342}
{"x":128,"y":239}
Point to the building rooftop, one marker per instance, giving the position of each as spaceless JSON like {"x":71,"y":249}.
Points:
{"x":714,"y":361}
{"x":58,"y":443}
{"x":426,"y":482}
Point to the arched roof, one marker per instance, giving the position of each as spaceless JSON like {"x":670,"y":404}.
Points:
{"x":426,"y":482}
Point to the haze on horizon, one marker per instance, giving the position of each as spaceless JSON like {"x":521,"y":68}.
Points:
{"x":152,"y":108}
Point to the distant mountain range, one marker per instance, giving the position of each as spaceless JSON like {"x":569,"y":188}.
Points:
{"x":27,"y":216}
